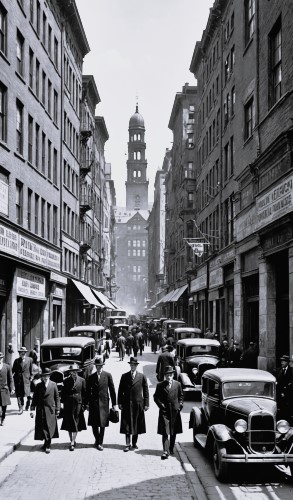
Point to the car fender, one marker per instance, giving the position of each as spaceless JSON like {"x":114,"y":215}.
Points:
{"x":220,"y":432}
{"x":195,"y":417}
{"x":185,"y":380}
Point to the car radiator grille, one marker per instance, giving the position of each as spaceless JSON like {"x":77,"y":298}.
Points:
{"x":57,"y":377}
{"x":262,"y":433}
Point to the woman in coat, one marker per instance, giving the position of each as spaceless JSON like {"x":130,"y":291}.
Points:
{"x":99,"y":385}
{"x":169,"y":398}
{"x":46,"y":402}
{"x":133,"y":401}
{"x":6,"y":386}
{"x":73,"y":398}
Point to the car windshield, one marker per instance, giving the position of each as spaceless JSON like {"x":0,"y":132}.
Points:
{"x":83,"y":333}
{"x":188,"y":335}
{"x":252,"y":388}
{"x":201,"y":350}
{"x":60,"y":353}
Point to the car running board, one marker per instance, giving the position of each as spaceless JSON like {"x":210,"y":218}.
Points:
{"x":201,"y":439}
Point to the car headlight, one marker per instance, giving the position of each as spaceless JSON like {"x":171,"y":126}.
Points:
{"x":283,"y":426}
{"x":240,"y":426}
{"x":194,"y":371}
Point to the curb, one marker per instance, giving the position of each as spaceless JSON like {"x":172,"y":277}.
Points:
{"x":192,"y":477}
{"x":8,"y":449}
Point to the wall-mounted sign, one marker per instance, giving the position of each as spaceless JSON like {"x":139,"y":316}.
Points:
{"x":30,"y":285}
{"x":275,"y":203}
{"x":200,"y":282}
{"x":216,"y":277}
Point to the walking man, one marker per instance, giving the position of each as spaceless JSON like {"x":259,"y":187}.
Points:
{"x":45,"y":408}
{"x":164,"y":359}
{"x":121,"y":341}
{"x":169,"y":398}
{"x":133,"y":401}
{"x":6,"y":386}
{"x":23,"y":374}
{"x":99,"y":385}
{"x":73,"y":398}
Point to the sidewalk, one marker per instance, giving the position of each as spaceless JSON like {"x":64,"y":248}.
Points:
{"x":15,"y":429}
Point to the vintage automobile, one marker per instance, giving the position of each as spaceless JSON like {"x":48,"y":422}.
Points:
{"x":237,"y":422}
{"x":186,"y":332}
{"x":193,"y":358}
{"x":96,"y":332}
{"x":169,"y":325}
{"x":59,"y":353}
{"x":116,"y":329}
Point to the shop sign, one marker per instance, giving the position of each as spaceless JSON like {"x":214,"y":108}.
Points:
{"x":30,"y":285}
{"x":222,"y":259}
{"x":275,"y":203}
{"x":216,"y":277}
{"x":200,"y":282}
{"x":58,"y":291}
{"x":246,"y":224}
{"x":8,"y":240}
{"x":58,"y":278}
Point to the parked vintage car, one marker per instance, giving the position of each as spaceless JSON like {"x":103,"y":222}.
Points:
{"x":186,"y":332}
{"x":193,"y":358}
{"x":169,"y":325}
{"x":96,"y":332}
{"x":237,"y":421}
{"x":59,"y":353}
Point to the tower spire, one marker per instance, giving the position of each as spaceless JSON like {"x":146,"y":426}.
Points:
{"x":136,"y":108}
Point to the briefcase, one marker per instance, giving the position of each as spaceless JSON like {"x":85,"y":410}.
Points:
{"x":114,"y":416}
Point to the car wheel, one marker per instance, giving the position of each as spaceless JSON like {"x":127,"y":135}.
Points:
{"x":220,"y":467}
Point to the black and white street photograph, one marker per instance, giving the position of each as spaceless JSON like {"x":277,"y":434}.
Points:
{"x":146,"y":249}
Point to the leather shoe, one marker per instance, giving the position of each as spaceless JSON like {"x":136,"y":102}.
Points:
{"x":71,"y":447}
{"x":164,"y":456}
{"x":127,"y":448}
{"x":100,"y":447}
{"x":47,"y":450}
{"x":134,"y":447}
{"x":20,"y":412}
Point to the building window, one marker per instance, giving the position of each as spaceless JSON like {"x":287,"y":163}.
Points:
{"x":31,"y":68}
{"x":19,"y":53}
{"x":3,"y":30}
{"x":49,"y":159}
{"x":37,"y":200}
{"x":226,"y":161}
{"x":38,"y":17}
{"x":43,"y":208}
{"x":19,"y":127}
{"x":32,"y":11}
{"x":43,"y":152}
{"x":44,"y":77}
{"x":232,"y":59}
{"x":37,"y":145}
{"x":30,"y":139}
{"x":233,"y":96}
{"x":29,"y":209}
{"x":55,"y":111}
{"x":37,"y":78}
{"x":3,"y":113}
{"x":191,"y":114}
{"x":49,"y":97}
{"x":56,"y":52}
{"x":190,"y":141}
{"x":249,"y":118}
{"x":227,"y":69}
{"x":55,"y":224}
{"x":48,"y":221}
{"x":44,"y":29}
{"x":249,"y":7}
{"x":275,"y":74}
{"x":232,"y":155}
{"x":55,"y":167}
{"x":49,"y":40}
{"x":19,"y":202}
{"x":190,"y":200}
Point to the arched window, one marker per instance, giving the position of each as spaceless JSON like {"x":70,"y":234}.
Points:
{"x":135,"y":137}
{"x":137,"y":155}
{"x":138,"y":173}
{"x":138,"y":137}
{"x":134,"y":173}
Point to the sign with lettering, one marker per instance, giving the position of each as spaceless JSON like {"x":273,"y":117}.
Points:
{"x":200,"y":282}
{"x":216,"y":277}
{"x":30,"y":285}
{"x":275,"y":203}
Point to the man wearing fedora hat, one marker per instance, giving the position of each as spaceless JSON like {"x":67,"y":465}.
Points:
{"x":98,"y":388}
{"x":285,"y":388}
{"x":164,"y":359}
{"x":22,"y":370}
{"x":6,"y":386}
{"x":133,"y":401}
{"x":45,"y":408}
{"x":169,"y":398}
{"x":73,"y":398}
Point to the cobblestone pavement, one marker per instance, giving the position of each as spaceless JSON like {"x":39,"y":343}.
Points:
{"x":87,"y":473}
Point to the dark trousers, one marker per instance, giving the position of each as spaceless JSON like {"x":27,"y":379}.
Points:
{"x":134,"y":439}
{"x":168,"y":446}
{"x":98,"y":432}
{"x":3,"y":413}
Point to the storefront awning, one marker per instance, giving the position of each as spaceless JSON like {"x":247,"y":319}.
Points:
{"x":165,"y":298}
{"x":103,"y":299}
{"x":177,"y":293}
{"x":87,"y":294}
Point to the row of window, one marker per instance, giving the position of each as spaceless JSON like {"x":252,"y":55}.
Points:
{"x":136,"y":243}
{"x":70,"y":179}
{"x":40,"y":152}
{"x":70,"y":224}
{"x":70,"y":262}
{"x":134,"y":227}
{"x":136,"y":253}
{"x":71,"y":136}
{"x":73,"y":85}
{"x":135,"y":137}
{"x":44,"y":31}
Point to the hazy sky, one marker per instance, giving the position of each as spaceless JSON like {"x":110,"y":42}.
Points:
{"x":140,"y":48}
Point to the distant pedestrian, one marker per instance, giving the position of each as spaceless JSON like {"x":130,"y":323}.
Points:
{"x":154,"y":341}
{"x":129,"y":344}
{"x":140,"y":341}
{"x":164,"y":359}
{"x":73,"y":397}
{"x":121,"y":341}
{"x":133,"y":401}
{"x":22,"y":370}
{"x":6,"y":387}
{"x":98,"y":388}
{"x":248,"y":358}
{"x":45,"y":408}
{"x":169,"y":398}
{"x":34,"y":354}
{"x":234,"y":355}
{"x":208,"y":334}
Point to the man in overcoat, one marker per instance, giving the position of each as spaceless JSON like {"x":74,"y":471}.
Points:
{"x":45,"y":408}
{"x":121,"y":342}
{"x":169,"y":398}
{"x":164,"y":359}
{"x":98,"y":388}
{"x":6,"y":386}
{"x":22,"y":370}
{"x":133,"y":401}
{"x":73,"y":396}
{"x":249,"y":357}
{"x":284,"y":388}
{"x":234,"y":355}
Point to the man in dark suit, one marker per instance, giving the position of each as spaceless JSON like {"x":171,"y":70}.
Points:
{"x":285,"y":389}
{"x":22,"y":370}
{"x":6,"y":386}
{"x":98,"y":387}
{"x":164,"y":359}
{"x":133,"y":401}
{"x":169,"y":398}
{"x":73,"y":398}
{"x":46,"y":402}
{"x":234,"y":355}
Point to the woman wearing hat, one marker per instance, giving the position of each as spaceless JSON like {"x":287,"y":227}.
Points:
{"x":22,"y":370}
{"x":133,"y":401}
{"x":6,"y":386}
{"x":98,"y":388}
{"x":73,"y":398}
{"x":46,"y":402}
{"x":169,"y":398}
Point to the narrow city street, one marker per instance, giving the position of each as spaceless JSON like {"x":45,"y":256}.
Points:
{"x":87,"y":473}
